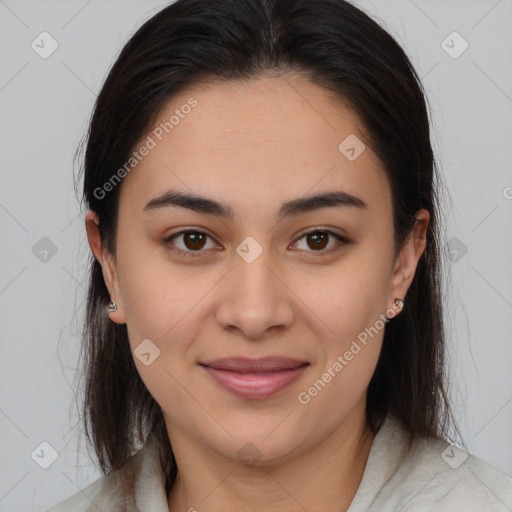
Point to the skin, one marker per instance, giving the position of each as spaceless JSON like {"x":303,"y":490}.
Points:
{"x":254,"y":145}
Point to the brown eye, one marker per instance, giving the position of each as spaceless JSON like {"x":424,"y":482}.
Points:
{"x":191,"y":243}
{"x":318,"y":240}
{"x":194,"y":240}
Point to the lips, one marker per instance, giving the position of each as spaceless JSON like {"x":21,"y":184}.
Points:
{"x":255,"y":378}
{"x":269,"y":364}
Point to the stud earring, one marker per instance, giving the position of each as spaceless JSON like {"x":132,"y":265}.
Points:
{"x":112,"y":307}
{"x":392,"y":311}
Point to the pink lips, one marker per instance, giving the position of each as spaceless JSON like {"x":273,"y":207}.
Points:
{"x":255,"y":378}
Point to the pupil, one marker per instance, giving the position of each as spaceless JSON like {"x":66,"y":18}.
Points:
{"x":316,"y":238}
{"x":196,"y":238}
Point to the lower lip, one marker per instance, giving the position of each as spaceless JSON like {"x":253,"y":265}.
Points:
{"x":255,"y":385}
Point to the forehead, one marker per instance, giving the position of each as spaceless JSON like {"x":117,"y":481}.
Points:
{"x":256,"y":142}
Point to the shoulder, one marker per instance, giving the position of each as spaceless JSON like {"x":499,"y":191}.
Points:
{"x":434,"y":475}
{"x":113,"y":492}
{"x":445,"y":477}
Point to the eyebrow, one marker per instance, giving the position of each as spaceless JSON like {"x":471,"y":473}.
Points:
{"x":200,"y":204}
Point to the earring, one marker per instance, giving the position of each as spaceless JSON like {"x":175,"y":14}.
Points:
{"x":112,"y":307}
{"x":392,"y":312}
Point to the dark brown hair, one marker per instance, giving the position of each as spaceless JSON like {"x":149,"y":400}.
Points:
{"x":336,"y":46}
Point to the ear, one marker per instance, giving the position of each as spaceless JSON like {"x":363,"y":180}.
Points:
{"x":407,"y":260}
{"x":108,"y":265}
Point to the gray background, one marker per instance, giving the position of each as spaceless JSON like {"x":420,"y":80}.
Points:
{"x":45,"y":105}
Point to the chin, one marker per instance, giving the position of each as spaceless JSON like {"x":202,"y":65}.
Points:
{"x":260,"y":443}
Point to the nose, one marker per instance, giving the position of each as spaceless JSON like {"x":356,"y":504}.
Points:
{"x":255,"y":298}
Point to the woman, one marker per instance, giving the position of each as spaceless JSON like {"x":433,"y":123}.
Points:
{"x":263,"y":221}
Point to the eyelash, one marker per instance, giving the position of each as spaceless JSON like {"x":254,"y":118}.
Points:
{"x":321,"y":253}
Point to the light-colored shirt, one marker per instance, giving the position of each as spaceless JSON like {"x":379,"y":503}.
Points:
{"x":424,"y":476}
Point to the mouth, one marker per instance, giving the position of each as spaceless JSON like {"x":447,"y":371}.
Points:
{"x":255,"y":378}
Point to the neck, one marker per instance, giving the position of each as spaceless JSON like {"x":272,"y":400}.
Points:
{"x":325,"y":477}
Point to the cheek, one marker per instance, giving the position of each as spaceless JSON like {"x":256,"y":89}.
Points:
{"x":351,"y":305}
{"x":349,"y":297}
{"x":162,"y":305}
{"x":158,"y":296}
{"x":350,"y":301}
{"x":152,"y":302}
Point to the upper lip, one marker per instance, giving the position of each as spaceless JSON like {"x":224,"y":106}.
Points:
{"x":246,"y":365}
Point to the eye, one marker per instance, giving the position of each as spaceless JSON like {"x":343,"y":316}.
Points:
{"x":318,"y":240}
{"x":193,"y":241}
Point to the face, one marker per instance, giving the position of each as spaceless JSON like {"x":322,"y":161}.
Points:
{"x":305,"y":283}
